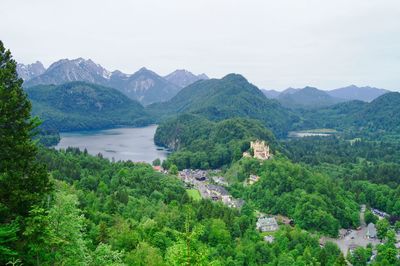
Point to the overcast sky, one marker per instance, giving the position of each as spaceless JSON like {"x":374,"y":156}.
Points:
{"x":274,"y":44}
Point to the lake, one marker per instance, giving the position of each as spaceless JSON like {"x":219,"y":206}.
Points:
{"x":321,"y":132}
{"x":135,"y":144}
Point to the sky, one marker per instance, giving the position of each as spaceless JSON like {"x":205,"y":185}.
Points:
{"x":274,"y":44}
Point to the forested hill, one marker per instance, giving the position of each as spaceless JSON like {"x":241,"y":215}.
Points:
{"x":382,"y":113}
{"x":308,"y":97}
{"x":231,"y":96}
{"x":83,"y":106}
{"x":200,"y":143}
{"x":381,"y":116}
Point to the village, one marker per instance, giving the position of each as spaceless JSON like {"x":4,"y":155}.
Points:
{"x":210,"y":184}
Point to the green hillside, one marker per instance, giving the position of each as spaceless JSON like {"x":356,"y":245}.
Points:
{"x":83,"y":106}
{"x":231,"y":96}
{"x":200,"y":143}
{"x":307,"y":98}
{"x":379,"y":118}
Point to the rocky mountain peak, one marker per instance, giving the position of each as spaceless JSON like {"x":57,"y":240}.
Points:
{"x":26,"y":72}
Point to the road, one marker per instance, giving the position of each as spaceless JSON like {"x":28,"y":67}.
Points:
{"x":354,"y":238}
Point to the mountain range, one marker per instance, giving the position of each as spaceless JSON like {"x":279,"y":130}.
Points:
{"x":27,"y":72}
{"x":310,"y":97}
{"x":377,"y":118}
{"x":81,"y":105}
{"x":183,"y":78}
{"x":352,"y":92}
{"x":148,"y":87}
{"x":144,"y":85}
{"x":307,"y":97}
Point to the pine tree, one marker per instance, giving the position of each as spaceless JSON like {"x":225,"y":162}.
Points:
{"x":23,"y":181}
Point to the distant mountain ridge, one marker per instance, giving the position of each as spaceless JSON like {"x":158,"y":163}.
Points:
{"x":27,"y":72}
{"x":80,"y":105}
{"x":308,"y":97}
{"x":305,"y":98}
{"x":144,"y":85}
{"x":271,"y":94}
{"x":66,"y":70}
{"x":183,"y":78}
{"x":379,"y":117}
{"x":352,"y":92}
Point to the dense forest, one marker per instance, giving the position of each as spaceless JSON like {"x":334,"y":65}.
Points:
{"x":201,"y":143}
{"x":377,"y":120}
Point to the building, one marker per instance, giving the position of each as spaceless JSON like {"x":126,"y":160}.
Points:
{"x":260,"y":149}
{"x":269,"y":239}
{"x":371,"y":231}
{"x":217,"y":191}
{"x":158,"y":168}
{"x":219,"y":180}
{"x":252,"y":179}
{"x":231,"y":202}
{"x":267,"y":224}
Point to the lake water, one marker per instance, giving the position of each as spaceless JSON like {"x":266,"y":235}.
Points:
{"x":135,"y":144}
{"x":294,"y":134}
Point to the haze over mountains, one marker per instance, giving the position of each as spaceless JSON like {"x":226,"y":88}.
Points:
{"x":84,"y":95}
{"x":80,"y":94}
{"x":307,"y":97}
{"x":183,"y":78}
{"x":352,"y":92}
{"x":144,"y":85}
{"x":148,"y":87}
{"x":310,"y":98}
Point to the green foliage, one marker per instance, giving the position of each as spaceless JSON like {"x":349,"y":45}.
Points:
{"x":376,"y":120}
{"x":387,"y":252}
{"x":201,"y":143}
{"x":370,"y":217}
{"x":336,"y":150}
{"x":397,"y":226}
{"x":135,"y":216}
{"x":173,"y":170}
{"x":23,"y":181}
{"x":48,"y":137}
{"x":360,"y":256}
{"x":370,"y":170}
{"x":382,"y":227}
{"x":8,"y":235}
{"x":157,"y":162}
{"x":194,"y":194}
{"x":145,"y":255}
{"x":313,"y":200}
{"x":105,"y":256}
